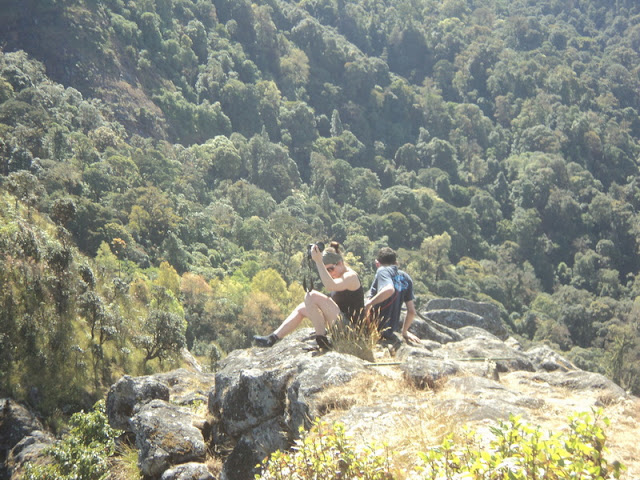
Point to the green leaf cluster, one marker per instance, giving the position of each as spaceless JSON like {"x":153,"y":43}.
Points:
{"x":516,"y":450}
{"x":82,"y":453}
{"x":510,"y":450}
{"x":326,"y":452}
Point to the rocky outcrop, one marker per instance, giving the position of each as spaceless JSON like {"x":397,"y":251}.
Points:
{"x":16,"y":422}
{"x":261,"y":397}
{"x":160,"y":413}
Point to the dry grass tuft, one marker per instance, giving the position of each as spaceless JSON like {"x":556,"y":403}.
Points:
{"x":124,"y":466}
{"x":355,"y":338}
{"x":366,"y":389}
{"x":214,"y":464}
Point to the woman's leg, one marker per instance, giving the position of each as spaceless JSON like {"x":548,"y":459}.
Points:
{"x":292,"y":321}
{"x":321,"y":310}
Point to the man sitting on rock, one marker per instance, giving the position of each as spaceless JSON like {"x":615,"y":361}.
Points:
{"x":391,"y":288}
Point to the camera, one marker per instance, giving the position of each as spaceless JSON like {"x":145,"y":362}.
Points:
{"x":320,"y":246}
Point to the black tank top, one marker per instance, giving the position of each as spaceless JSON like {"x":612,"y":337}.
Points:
{"x":350,"y":302}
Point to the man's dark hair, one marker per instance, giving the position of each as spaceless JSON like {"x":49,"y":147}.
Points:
{"x":386,"y":256}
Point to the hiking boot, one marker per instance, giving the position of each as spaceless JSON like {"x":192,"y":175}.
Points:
{"x":266,"y":341}
{"x":323,"y":342}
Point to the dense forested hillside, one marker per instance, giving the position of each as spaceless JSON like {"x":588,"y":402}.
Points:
{"x":164,"y":164}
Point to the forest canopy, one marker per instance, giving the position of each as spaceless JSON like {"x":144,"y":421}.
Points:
{"x":164,"y":163}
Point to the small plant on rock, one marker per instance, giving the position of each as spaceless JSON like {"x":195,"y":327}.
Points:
{"x":83,"y":453}
{"x":517,"y":451}
{"x":326,"y":453}
{"x":355,"y":338}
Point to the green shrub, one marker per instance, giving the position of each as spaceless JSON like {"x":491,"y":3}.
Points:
{"x":518,"y":451}
{"x":82,"y":453}
{"x":512,"y":451}
{"x":325,"y":453}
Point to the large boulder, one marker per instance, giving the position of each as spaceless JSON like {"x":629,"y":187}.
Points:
{"x":128,"y":394}
{"x":484,"y":309}
{"x":482,"y":398}
{"x":16,"y":422}
{"x":166,"y":436}
{"x":458,"y":312}
{"x":427,"y":329}
{"x":579,"y":380}
{"x":22,"y":437}
{"x":547,"y":359}
{"x":263,"y":395}
{"x":423,"y":368}
{"x":31,"y":449}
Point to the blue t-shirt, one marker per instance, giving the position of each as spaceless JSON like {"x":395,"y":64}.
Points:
{"x":388,"y":312}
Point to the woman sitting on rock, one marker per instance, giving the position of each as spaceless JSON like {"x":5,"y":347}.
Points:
{"x":346,"y":297}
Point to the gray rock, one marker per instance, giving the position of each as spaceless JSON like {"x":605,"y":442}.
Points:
{"x":243,"y":398}
{"x":16,"y":422}
{"x":484,"y":347}
{"x":128,"y":394}
{"x":375,"y":421}
{"x":315,"y":374}
{"x":165,"y":436}
{"x":263,"y":395}
{"x":544,"y":358}
{"x":484,"y":398}
{"x":29,"y":450}
{"x":427,"y":329}
{"x":456,"y":319}
{"x":257,"y":385}
{"x":484,"y":309}
{"x":424,"y":370}
{"x":188,"y":471}
{"x":581,"y":380}
{"x":252,"y":447}
{"x":458,"y":312}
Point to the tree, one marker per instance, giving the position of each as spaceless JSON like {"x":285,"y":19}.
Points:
{"x":152,"y":216}
{"x":163,"y":335}
{"x":218,"y":159}
{"x":272,"y":284}
{"x":398,"y":199}
{"x":253,"y":234}
{"x":240,"y":103}
{"x":269,"y":107}
{"x":440,"y":154}
{"x":25,"y":188}
{"x":272,"y":169}
{"x":294,"y":69}
{"x":336,"y":124}
{"x":299,"y":121}
{"x":489,"y":213}
{"x":407,"y":156}
{"x":435,"y":257}
{"x":248,"y":200}
{"x":63,"y":211}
